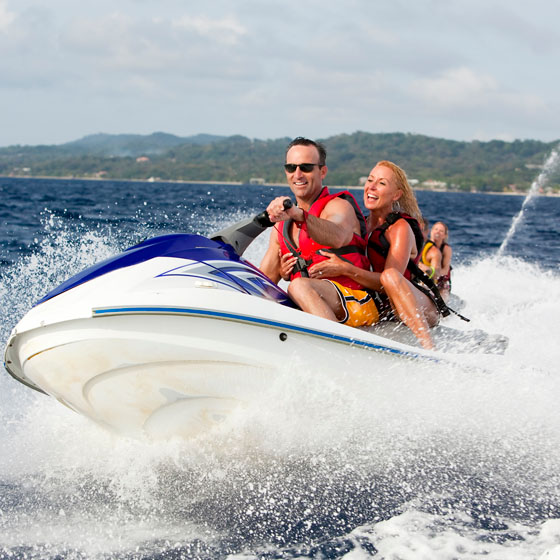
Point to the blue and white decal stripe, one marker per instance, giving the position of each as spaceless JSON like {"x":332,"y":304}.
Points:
{"x":195,"y":312}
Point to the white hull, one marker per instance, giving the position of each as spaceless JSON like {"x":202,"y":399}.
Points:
{"x":143,"y":351}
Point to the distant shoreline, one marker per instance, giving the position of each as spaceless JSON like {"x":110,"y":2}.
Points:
{"x":240,"y":183}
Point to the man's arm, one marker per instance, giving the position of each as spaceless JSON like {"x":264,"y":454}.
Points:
{"x":270,"y":263}
{"x":334,"y":228}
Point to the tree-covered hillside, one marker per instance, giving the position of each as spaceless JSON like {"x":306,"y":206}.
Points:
{"x":484,"y":166}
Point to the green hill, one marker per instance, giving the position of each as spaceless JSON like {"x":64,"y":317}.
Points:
{"x":134,"y":145}
{"x":483,"y":166}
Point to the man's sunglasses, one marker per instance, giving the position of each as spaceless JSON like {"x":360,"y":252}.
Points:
{"x":305,"y":167}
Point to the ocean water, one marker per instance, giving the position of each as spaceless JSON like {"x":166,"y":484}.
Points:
{"x":459,"y":464}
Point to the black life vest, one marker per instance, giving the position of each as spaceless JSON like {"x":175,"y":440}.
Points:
{"x":378,"y":245}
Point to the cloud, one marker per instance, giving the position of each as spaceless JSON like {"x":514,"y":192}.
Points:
{"x":224,"y":30}
{"x":457,"y":87}
{"x":520,"y":28}
{"x":123,"y":54}
{"x":28,"y":50}
{"x":6,"y":17}
{"x":265,"y":69}
{"x":463,"y":88}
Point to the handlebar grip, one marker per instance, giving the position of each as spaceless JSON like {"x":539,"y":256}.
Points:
{"x":263,"y":220}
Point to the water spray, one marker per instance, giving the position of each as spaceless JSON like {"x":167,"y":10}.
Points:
{"x":549,"y":165}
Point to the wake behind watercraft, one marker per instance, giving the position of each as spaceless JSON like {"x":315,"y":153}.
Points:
{"x":168,"y":337}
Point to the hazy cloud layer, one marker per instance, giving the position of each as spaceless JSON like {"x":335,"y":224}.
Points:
{"x":455,"y":69}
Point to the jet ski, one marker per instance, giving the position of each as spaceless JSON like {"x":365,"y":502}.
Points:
{"x":172,"y":335}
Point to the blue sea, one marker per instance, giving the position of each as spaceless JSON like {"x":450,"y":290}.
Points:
{"x":447,"y":465}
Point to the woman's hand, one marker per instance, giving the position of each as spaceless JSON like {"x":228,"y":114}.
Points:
{"x":333,"y":266}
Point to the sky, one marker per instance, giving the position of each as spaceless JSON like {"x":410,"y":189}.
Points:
{"x":267,"y":69}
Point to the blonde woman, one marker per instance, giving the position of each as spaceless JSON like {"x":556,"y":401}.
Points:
{"x":436,"y":258}
{"x":394,"y":238}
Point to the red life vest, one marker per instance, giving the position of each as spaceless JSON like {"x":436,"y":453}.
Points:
{"x":307,"y":249}
{"x":378,"y":245}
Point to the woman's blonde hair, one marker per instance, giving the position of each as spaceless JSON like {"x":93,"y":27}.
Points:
{"x":407,"y":202}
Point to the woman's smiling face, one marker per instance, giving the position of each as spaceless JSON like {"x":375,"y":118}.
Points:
{"x":438,"y":233}
{"x":381,"y":189}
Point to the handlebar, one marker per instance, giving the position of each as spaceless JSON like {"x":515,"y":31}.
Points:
{"x":263,"y":219}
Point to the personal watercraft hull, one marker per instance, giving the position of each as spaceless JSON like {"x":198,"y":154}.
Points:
{"x":171,"y":336}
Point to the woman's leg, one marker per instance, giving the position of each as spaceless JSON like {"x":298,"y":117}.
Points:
{"x":415,"y":309}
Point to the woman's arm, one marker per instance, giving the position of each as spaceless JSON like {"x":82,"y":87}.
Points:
{"x":433,"y":256}
{"x":402,"y":245}
{"x":446,"y":260}
{"x":335,"y":266}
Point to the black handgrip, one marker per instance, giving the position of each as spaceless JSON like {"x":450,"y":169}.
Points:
{"x":263,"y":220}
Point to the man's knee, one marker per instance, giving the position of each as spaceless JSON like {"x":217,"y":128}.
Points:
{"x":297,"y":286}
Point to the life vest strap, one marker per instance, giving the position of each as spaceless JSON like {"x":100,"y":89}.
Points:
{"x":301,"y":266}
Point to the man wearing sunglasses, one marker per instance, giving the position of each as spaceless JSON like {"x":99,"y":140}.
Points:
{"x":321,"y":223}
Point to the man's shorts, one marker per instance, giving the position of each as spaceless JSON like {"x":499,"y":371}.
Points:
{"x":358,"y":305}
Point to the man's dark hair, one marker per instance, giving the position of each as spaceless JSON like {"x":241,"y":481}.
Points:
{"x":301,"y":141}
